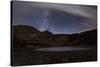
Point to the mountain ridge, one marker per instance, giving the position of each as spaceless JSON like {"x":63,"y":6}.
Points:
{"x":26,"y":35}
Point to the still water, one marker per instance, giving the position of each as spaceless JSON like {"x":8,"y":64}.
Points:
{"x":53,"y":49}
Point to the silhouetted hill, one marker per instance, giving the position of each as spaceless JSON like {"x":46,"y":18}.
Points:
{"x":89,"y":37}
{"x":86,"y":38}
{"x":24,"y":29}
{"x":27,"y":35}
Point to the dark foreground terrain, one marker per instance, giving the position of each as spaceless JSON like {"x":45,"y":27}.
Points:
{"x":26,"y":39}
{"x":28,"y":56}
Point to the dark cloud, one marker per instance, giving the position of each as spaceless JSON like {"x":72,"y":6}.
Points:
{"x":56,"y":18}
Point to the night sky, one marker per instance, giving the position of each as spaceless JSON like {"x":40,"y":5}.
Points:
{"x":56,"y":18}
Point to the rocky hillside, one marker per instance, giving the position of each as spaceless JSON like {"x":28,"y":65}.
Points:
{"x":27,"y":35}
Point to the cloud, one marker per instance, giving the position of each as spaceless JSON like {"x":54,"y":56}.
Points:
{"x":81,"y":10}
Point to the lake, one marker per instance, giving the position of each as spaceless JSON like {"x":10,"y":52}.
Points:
{"x":50,"y":55}
{"x":57,"y":49}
